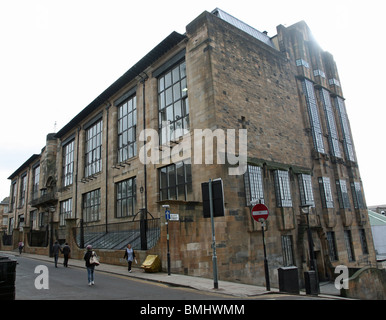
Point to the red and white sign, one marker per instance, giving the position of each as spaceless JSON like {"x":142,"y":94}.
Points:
{"x":260,"y":211}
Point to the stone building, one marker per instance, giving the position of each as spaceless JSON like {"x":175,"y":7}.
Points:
{"x":178,"y":118}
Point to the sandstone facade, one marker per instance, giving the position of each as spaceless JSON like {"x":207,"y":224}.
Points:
{"x":228,"y":79}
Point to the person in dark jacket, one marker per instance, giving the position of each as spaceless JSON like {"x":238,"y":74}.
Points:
{"x":66,"y":253}
{"x":129,"y":256}
{"x":55,"y":250}
{"x":90,"y":267}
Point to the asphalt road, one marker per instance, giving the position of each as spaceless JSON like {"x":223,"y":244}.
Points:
{"x":71,"y":284}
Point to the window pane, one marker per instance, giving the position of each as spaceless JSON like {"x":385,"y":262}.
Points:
{"x":168,"y":79}
{"x":176,"y":74}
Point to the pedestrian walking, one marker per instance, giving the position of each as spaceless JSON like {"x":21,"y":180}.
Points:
{"x":129,"y":256}
{"x":21,"y":246}
{"x":55,"y":250}
{"x":90,"y":265}
{"x":66,"y":253}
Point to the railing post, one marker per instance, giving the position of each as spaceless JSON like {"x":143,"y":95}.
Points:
{"x":81,"y":244}
{"x":143,"y":229}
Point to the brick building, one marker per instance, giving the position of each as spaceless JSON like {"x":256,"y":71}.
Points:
{"x":97,"y":174}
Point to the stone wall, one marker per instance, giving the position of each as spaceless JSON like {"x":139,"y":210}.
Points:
{"x":367,"y":284}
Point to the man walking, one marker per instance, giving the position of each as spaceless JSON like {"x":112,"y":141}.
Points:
{"x":55,"y":250}
{"x":66,"y":253}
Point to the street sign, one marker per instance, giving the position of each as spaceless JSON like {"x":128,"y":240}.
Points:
{"x":167,"y":214}
{"x":174,"y":217}
{"x":217,"y":198}
{"x":260,"y":211}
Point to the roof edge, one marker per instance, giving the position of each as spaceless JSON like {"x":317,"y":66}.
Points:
{"x":24,"y":165}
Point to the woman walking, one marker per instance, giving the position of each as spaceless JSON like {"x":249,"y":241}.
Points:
{"x":129,"y":256}
{"x":90,"y":266}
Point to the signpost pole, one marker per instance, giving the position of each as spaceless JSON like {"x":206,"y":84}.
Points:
{"x":168,"y":255}
{"x":266,"y":270}
{"x":260,"y":214}
{"x":215,"y":278}
{"x":167,"y":218}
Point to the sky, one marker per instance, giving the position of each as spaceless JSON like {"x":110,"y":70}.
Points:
{"x":57,"y":56}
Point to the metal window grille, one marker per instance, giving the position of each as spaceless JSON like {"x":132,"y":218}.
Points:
{"x":325,"y":192}
{"x":341,"y":187}
{"x":357,"y":195}
{"x":306,"y":194}
{"x":316,"y":127}
{"x":347,"y":140}
{"x":253,"y":182}
{"x":333,"y":137}
{"x":288,"y":257}
{"x":282,"y":189}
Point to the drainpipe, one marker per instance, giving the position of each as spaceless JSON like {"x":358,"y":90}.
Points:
{"x":143,"y":222}
{"x":107,"y":159}
{"x":143,"y":79}
{"x":76,"y":175}
{"x":81,"y":241}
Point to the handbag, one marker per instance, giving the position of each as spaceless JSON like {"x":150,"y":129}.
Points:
{"x":94,"y":259}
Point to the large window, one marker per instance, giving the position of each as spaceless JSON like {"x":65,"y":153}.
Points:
{"x":357,"y":195}
{"x":349,"y":245}
{"x":282,"y":189}
{"x":35,"y":186}
{"x":127,"y":124}
{"x":332,"y":246}
{"x":93,"y":159}
{"x":13,"y":196}
{"x":23,"y":188}
{"x":126,"y":198}
{"x":175,"y":181}
{"x":313,"y":113}
{"x":362,"y":235}
{"x":287,"y":247}
{"x":347,"y":141}
{"x":253,"y":182}
{"x":173,"y":103}
{"x":333,"y":137}
{"x":68,"y":163}
{"x":65,"y":211}
{"x":306,"y":194}
{"x":341,"y":187}
{"x":34,"y":219}
{"x":325,"y":192}
{"x":91,"y":206}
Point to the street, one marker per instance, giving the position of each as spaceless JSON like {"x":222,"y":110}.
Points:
{"x":71,"y":284}
{"x":38,"y":279}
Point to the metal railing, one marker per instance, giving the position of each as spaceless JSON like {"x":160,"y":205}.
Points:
{"x":116,"y":236}
{"x":6,"y":239}
{"x":38,"y":238}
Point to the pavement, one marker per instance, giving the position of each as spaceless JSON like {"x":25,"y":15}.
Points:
{"x":234,"y":289}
